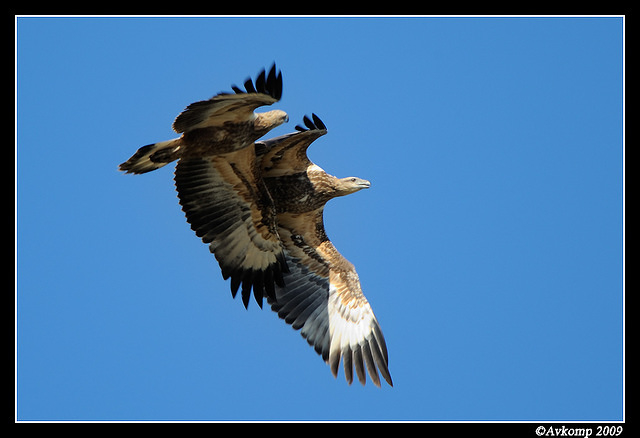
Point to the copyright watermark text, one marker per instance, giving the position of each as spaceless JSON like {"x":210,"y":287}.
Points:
{"x":598,"y":431}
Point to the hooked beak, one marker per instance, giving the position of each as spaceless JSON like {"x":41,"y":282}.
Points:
{"x":359,"y":184}
{"x":363,"y":183}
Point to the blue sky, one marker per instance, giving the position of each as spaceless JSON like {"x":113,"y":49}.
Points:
{"x":490,"y":243}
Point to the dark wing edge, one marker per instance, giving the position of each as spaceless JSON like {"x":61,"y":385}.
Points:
{"x":311,"y":124}
{"x":307,"y":302}
{"x":369,"y":348}
{"x":270,"y":84}
{"x":226,"y":221}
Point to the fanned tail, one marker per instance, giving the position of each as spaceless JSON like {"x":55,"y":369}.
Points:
{"x":152,"y":157}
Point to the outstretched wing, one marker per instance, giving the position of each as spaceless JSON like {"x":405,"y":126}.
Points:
{"x":323,"y":299}
{"x":228,"y":205}
{"x":227,"y":107}
{"x":287,"y":154}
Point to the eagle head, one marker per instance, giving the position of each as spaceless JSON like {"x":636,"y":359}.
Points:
{"x":269,"y":120}
{"x":350,"y":185}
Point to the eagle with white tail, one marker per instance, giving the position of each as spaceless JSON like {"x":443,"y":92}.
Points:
{"x":259,"y":206}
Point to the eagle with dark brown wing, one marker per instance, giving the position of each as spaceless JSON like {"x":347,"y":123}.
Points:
{"x":219,"y":185}
{"x":259,"y":205}
{"x":322,"y":296}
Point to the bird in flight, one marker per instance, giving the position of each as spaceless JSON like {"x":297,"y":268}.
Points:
{"x":259,"y":206}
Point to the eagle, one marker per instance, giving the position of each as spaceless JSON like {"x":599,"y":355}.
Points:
{"x":259,"y":206}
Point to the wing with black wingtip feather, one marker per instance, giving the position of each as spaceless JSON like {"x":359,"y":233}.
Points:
{"x":322,"y":298}
{"x":228,"y":107}
{"x":227,"y":204}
